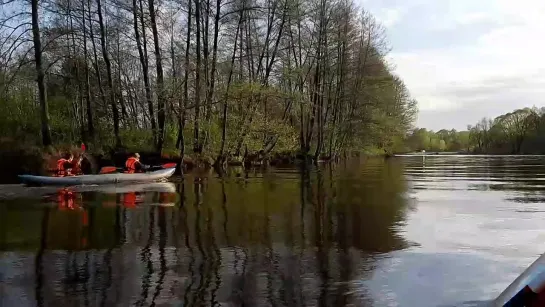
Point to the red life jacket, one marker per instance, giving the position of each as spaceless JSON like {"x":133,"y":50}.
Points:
{"x":61,"y":171}
{"x":130,"y":165}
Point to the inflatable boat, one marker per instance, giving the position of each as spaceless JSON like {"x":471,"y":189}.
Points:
{"x":115,"y":178}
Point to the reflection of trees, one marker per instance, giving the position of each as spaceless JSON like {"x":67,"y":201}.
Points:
{"x":189,"y":248}
{"x":293,"y":239}
{"x":373,"y":204}
{"x":162,"y":260}
{"x":145,"y":257}
{"x":198,"y":238}
{"x":39,"y":259}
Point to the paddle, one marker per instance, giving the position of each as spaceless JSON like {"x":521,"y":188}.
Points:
{"x":166,"y":165}
{"x":112,"y":169}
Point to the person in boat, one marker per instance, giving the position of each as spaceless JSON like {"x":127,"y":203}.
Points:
{"x":133,"y":164}
{"x":66,"y":165}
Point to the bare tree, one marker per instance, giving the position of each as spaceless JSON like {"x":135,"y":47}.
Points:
{"x":197,"y":146}
{"x":106,"y":58}
{"x":160,"y":80}
{"x":42,"y":95}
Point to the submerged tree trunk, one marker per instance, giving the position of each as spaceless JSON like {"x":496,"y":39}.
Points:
{"x":42,"y":96}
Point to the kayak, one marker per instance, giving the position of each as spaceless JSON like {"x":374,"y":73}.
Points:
{"x":98,"y":179}
{"x":526,"y":290}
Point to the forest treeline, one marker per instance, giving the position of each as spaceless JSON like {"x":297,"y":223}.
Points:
{"x":216,"y":77}
{"x":521,"y":131}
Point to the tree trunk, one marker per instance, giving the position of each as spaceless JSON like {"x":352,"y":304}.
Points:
{"x":144,"y":61}
{"x":212,"y":76}
{"x":183,"y":102}
{"x":80,"y":116}
{"x":196,"y":144}
{"x":90,"y":123}
{"x":124,"y":114}
{"x":221,"y":156}
{"x":106,"y":57}
{"x":42,"y":95}
{"x":95,"y":56}
{"x":175,"y":76}
{"x":160,"y":82}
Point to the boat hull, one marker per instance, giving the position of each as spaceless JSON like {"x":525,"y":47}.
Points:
{"x":98,"y":179}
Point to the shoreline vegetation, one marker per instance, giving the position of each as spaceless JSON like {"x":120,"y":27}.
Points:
{"x":215,"y":82}
{"x":17,"y":159}
{"x":521,"y":131}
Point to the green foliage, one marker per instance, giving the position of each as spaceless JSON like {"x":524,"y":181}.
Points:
{"x":19,"y":158}
{"x":519,"y":132}
{"x":442,"y":140}
{"x":286,"y":88}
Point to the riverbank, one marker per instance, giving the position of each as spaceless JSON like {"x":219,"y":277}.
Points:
{"x":18,"y":158}
{"x":491,"y":154}
{"x":431,"y":153}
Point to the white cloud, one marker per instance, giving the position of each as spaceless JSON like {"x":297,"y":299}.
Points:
{"x":472,"y":18}
{"x":501,"y":69}
{"x":390,"y":16}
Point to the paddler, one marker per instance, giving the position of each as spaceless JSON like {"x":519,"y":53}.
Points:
{"x":133,"y":164}
{"x":65,"y":165}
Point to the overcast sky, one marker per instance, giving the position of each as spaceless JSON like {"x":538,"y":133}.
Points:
{"x":466,"y":59}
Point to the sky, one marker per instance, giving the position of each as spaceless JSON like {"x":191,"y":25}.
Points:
{"x":466,"y":59}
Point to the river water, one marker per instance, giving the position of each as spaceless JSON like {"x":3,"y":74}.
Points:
{"x":439,"y":231}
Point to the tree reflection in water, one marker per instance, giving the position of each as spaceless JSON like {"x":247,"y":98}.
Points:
{"x":284,"y":237}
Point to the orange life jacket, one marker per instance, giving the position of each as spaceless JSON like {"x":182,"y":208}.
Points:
{"x":76,"y":168}
{"x":61,"y":171}
{"x":130,"y":165}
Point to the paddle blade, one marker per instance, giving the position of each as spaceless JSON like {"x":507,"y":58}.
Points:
{"x":108,"y":169}
{"x":169,"y":165}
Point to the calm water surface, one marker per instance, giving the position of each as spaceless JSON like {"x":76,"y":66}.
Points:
{"x":444,"y":231}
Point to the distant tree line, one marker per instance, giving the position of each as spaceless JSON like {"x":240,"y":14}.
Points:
{"x":519,"y":132}
{"x":225,"y":78}
{"x":442,"y":140}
